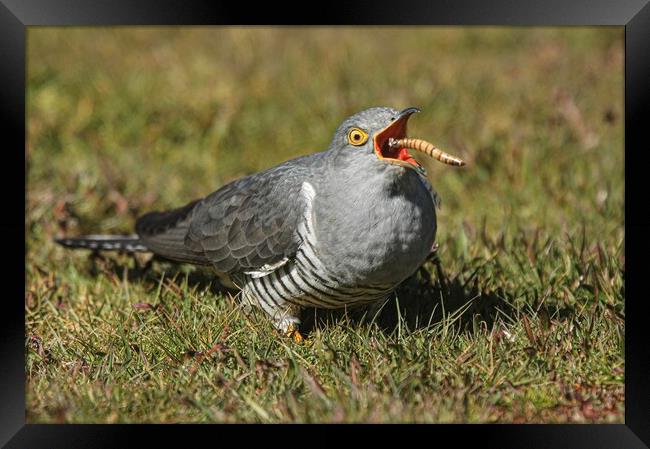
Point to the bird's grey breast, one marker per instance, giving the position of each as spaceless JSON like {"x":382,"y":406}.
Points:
{"x":375,"y":225}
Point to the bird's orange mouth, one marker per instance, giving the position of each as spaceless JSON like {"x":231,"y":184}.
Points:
{"x":392,"y":145}
{"x":396,"y":130}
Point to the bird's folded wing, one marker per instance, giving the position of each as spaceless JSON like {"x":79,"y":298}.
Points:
{"x":251,"y":223}
{"x":246,"y":225}
{"x":435,"y":198}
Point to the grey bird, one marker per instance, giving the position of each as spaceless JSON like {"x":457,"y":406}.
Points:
{"x":333,"y":229}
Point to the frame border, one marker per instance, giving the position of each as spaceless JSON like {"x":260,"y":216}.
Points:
{"x":634,"y":15}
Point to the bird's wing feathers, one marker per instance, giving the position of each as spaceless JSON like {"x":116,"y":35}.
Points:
{"x":435,"y":198}
{"x":251,"y":223}
{"x":248,"y":225}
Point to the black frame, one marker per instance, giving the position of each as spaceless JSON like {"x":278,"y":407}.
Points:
{"x":634,"y":15}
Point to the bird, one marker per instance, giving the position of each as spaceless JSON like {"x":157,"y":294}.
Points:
{"x":334,"y":229}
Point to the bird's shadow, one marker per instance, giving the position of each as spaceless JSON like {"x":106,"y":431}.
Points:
{"x":423,"y":300}
{"x":142,"y":270}
{"x":420,"y":301}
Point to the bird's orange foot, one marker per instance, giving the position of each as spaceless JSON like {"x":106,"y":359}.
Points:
{"x":296,"y":336}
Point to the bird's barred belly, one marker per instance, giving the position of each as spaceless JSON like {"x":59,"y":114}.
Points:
{"x":305,"y":282}
{"x":294,"y":284}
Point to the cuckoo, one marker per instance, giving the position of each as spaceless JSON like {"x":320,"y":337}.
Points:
{"x":334,"y":229}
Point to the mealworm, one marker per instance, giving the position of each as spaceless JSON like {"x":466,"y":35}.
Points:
{"x":427,"y":148}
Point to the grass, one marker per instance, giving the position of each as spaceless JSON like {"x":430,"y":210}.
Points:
{"x":521,"y":317}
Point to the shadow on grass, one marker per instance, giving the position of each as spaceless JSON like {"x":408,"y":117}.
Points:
{"x":140,"y":271}
{"x":418,"y":302}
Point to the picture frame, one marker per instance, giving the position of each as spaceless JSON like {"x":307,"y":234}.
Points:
{"x":634,"y":16}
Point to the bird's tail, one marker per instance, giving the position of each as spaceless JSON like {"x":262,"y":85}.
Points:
{"x":125,"y":243}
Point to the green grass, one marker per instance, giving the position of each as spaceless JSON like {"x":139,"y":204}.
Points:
{"x":521,"y":319}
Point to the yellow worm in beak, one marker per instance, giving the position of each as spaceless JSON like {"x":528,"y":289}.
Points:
{"x":427,"y":148}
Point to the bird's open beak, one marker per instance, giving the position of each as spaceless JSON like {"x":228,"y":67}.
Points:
{"x":392,"y":146}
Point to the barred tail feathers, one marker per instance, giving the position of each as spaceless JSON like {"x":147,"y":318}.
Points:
{"x":126,"y":243}
{"x":162,"y":233}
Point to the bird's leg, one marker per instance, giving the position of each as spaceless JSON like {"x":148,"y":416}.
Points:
{"x":433,"y":255}
{"x":288,"y":322}
{"x":442,"y":278}
{"x":285,"y":316}
{"x":293,"y":332}
{"x":373,"y":310}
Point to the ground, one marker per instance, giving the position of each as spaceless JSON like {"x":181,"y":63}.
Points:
{"x":518,"y":318}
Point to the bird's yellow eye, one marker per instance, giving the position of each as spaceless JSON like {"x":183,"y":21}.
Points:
{"x":357,"y":136}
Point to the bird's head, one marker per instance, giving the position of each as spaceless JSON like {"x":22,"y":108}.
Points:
{"x":380,"y":133}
